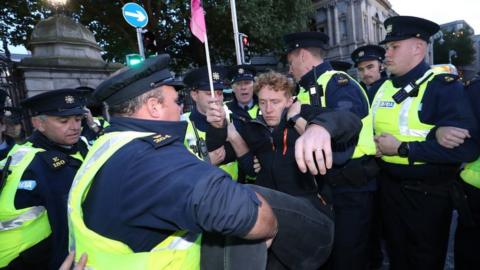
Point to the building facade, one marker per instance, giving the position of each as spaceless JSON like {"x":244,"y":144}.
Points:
{"x":351,"y":24}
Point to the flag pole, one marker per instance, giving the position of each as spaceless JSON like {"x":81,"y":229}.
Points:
{"x":209,"y":67}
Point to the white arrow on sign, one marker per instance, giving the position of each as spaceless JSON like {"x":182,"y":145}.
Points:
{"x":139,"y":15}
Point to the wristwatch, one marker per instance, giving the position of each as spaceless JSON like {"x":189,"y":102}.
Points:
{"x":403,"y":149}
{"x":292,"y":120}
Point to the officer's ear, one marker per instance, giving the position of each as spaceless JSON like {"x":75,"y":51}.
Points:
{"x":38,"y":123}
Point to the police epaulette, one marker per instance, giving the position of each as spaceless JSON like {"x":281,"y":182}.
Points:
{"x":447,"y":78}
{"x":159,"y":140}
{"x":342,"y":80}
{"x":54,"y":159}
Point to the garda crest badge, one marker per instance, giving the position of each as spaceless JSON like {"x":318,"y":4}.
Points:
{"x":216,"y":76}
{"x":389,"y":28}
{"x":241,"y":71}
{"x":69,"y":99}
{"x":361,"y":53}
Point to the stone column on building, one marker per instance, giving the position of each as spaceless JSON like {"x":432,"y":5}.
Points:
{"x":337,"y":27}
{"x":329,"y":24}
{"x":351,"y":11}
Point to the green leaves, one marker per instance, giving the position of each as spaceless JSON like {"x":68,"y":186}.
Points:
{"x":264,"y":21}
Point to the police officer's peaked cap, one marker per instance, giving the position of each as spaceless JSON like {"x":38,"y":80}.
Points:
{"x":242,"y":73}
{"x":368,"y":52}
{"x":197,"y":79}
{"x":305,"y":40}
{"x":136,"y":80}
{"x":63,"y":102}
{"x":404,"y":27}
{"x":340,"y":65}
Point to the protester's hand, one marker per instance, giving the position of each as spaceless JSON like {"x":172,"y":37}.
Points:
{"x":215,"y":113}
{"x":217,"y":156}
{"x":232,"y":132}
{"x":451,"y":137}
{"x":69,"y":262}
{"x":294,"y":109}
{"x":256,"y":165}
{"x":314,"y":146}
{"x":387,"y":144}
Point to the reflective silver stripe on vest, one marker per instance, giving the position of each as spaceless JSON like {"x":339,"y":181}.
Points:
{"x":96,"y":155}
{"x":18,"y":156}
{"x":101,"y":150}
{"x":403,"y":121}
{"x":31,"y":214}
{"x":403,"y":117}
{"x":180,"y":243}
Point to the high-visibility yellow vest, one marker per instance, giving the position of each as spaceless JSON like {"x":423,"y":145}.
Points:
{"x":180,"y":250}
{"x":20,"y":229}
{"x":400,"y":120}
{"x":471,"y":173}
{"x":253,"y":112}
{"x":366,"y":144}
{"x":191,"y":140}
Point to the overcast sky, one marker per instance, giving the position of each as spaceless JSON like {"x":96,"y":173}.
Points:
{"x":441,"y":11}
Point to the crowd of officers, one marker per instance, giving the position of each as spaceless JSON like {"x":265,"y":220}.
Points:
{"x":312,"y":170}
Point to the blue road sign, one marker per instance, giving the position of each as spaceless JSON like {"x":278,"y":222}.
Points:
{"x":135,"y":15}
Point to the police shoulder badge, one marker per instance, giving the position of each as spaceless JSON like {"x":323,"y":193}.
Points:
{"x":159,"y":140}
{"x":342,"y":79}
{"x":449,"y":78}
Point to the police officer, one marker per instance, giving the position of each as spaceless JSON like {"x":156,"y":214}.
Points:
{"x":353,"y":183}
{"x":225,"y":154}
{"x":34,"y":195}
{"x":141,"y":199}
{"x":416,"y":172}
{"x":244,"y":103}
{"x":467,"y":234}
{"x":243,"y":106}
{"x":369,"y":63}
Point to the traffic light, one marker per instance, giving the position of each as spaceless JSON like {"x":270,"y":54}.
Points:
{"x":133,"y":59}
{"x":150,"y":44}
{"x":244,"y":48}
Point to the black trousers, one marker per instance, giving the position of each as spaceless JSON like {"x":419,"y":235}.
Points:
{"x":467,"y":238}
{"x":416,"y":223}
{"x":353,"y":220}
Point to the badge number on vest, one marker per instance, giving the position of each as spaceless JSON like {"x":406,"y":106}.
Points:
{"x":57,"y":162}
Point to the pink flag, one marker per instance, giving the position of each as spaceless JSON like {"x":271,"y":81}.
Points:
{"x":197,"y":22}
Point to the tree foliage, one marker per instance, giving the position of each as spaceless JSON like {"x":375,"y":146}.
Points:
{"x":265,"y":21}
{"x":459,"y":41}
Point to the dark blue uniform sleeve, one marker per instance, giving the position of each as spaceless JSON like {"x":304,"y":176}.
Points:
{"x":344,"y":94}
{"x":166,"y":193}
{"x":445,"y":104}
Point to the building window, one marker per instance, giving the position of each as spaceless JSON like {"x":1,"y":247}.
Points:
{"x":343,"y":27}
